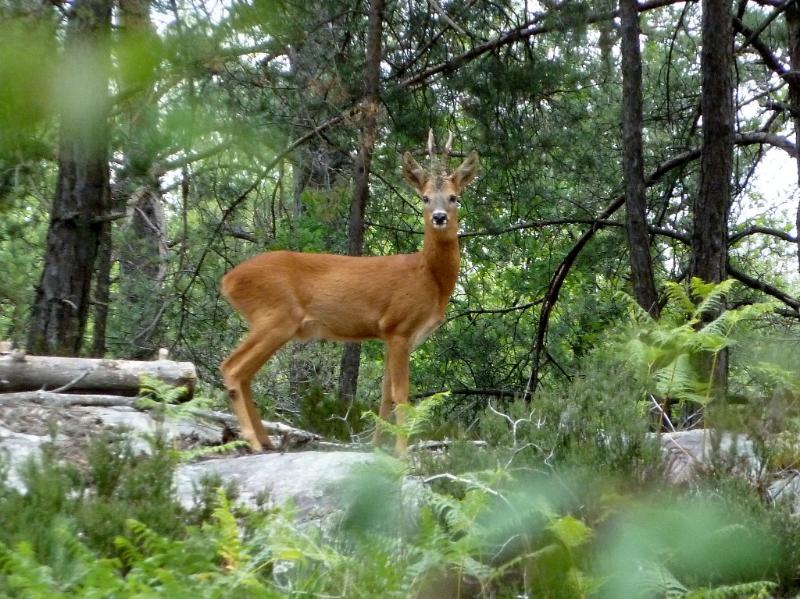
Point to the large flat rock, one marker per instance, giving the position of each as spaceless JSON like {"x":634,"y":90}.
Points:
{"x":308,"y":478}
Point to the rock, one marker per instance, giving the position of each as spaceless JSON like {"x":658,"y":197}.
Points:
{"x":689,"y":451}
{"x":15,"y":449}
{"x":305,"y":478}
{"x":185,"y":430}
{"x":787,"y":489}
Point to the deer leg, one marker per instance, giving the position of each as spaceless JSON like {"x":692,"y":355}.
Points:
{"x":398,"y":357}
{"x":238,"y":371}
{"x":386,"y":401}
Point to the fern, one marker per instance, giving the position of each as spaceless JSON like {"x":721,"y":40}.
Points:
{"x":417,"y":417}
{"x":712,"y":296}
{"x":747,"y":590}
{"x":24,"y":573}
{"x":229,"y":545}
{"x":157,"y":390}
{"x":209,"y":450}
{"x":662,"y":353}
{"x":654,"y":580}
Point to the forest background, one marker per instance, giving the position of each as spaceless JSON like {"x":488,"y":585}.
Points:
{"x":630,"y":262}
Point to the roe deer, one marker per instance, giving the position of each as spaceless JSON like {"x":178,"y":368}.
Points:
{"x":399,"y":299}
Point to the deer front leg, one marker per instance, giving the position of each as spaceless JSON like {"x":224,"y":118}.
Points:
{"x":386,"y":402}
{"x":398,"y":356}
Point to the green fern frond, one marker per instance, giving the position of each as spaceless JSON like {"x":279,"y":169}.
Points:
{"x":680,"y":380}
{"x":128,"y":552}
{"x":712,"y":296}
{"x":760,"y":589}
{"x":230,"y":548}
{"x":23,"y":573}
{"x":146,"y":539}
{"x":155,"y":389}
{"x":638,"y":314}
{"x":657,"y":581}
{"x":677,"y":296}
{"x":207,"y":450}
{"x":416,"y":418}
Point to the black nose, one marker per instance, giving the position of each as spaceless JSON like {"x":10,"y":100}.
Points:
{"x":439,"y":218}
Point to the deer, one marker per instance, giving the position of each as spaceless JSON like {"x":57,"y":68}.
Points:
{"x":400,"y":299}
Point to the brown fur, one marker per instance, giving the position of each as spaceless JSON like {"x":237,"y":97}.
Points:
{"x":400,"y":299}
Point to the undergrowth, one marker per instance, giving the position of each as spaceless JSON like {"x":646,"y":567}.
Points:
{"x":565,"y":500}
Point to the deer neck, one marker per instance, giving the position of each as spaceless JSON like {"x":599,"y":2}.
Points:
{"x":441,"y":255}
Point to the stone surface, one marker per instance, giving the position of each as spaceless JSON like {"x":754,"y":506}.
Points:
{"x":787,"y":489}
{"x":16,"y":448}
{"x":687,"y":452}
{"x":306,"y":478}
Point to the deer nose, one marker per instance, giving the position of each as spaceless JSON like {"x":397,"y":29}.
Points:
{"x":439,"y":218}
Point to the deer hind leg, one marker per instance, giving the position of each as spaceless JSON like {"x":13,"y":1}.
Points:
{"x":397,"y":363}
{"x":386,"y":402}
{"x":238,"y":371}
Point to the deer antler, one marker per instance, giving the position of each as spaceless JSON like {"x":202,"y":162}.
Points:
{"x":431,"y":143}
{"x":449,"y":145}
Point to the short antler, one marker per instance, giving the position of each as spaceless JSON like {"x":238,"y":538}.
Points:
{"x":449,"y":145}
{"x":431,"y":143}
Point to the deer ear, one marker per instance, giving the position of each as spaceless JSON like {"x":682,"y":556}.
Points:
{"x":466,"y":171}
{"x":414,"y":174}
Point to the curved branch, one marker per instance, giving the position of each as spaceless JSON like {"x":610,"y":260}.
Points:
{"x":753,"y":283}
{"x":765,"y":230}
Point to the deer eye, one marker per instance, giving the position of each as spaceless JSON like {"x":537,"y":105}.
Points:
{"x":426,"y":199}
{"x":453,"y":199}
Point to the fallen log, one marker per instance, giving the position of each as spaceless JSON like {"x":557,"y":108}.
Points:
{"x":19,"y":372}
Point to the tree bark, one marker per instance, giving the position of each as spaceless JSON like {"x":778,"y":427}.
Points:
{"x":87,"y":375}
{"x":712,"y":202}
{"x":102,"y":292}
{"x":644,"y":288}
{"x":351,"y":355}
{"x":62,"y":298}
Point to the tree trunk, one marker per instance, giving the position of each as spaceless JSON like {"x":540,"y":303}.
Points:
{"x":793,"y":23}
{"x":102,"y":292}
{"x":712,"y":202}
{"x":87,"y":375}
{"x":644,"y":288}
{"x":351,"y":356}
{"x":61,"y":304}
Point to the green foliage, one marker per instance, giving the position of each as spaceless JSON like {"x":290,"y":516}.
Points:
{"x":159,"y":391}
{"x":663,"y":354}
{"x":501,"y":531}
{"x":323,"y":413}
{"x":416,"y":418}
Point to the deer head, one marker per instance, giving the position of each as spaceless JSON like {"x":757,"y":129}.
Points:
{"x":439,"y":187}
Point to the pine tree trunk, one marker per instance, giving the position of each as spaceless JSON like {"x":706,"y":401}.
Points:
{"x":62,"y":299}
{"x":102,"y":292}
{"x":644,"y":287}
{"x":712,"y":202}
{"x":351,"y":356}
